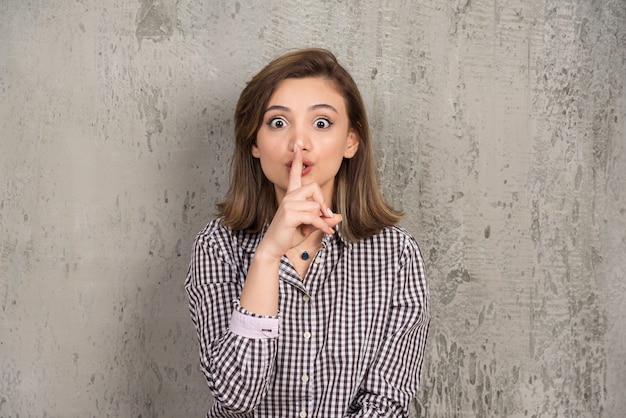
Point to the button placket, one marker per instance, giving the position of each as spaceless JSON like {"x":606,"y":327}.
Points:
{"x":307,"y":324}
{"x":305,"y":334}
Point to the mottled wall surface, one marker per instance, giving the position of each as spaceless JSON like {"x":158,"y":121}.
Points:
{"x":500,"y":128}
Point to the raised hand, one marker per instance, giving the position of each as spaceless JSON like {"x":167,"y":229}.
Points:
{"x":302,"y":211}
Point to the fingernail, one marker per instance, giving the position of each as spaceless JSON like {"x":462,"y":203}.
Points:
{"x":329,"y":212}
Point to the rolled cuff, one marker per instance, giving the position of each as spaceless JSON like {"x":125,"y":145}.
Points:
{"x":248,"y":325}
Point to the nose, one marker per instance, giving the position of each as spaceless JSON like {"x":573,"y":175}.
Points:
{"x":299,"y":137}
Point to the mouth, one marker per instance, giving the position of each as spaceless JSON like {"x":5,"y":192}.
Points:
{"x":306,"y":166}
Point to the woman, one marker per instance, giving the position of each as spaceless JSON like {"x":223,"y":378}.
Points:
{"x":308,"y":301}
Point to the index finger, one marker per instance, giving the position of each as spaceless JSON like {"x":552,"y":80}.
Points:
{"x":295,"y":174}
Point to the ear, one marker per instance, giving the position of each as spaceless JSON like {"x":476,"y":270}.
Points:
{"x":255,"y":151}
{"x":352,"y":144}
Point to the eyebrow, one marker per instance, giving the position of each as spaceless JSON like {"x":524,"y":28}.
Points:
{"x":314,"y":107}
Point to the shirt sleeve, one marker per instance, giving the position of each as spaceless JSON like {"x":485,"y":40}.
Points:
{"x":237,"y":349}
{"x":393,"y":378}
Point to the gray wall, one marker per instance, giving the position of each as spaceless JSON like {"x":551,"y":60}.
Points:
{"x":500,"y":128}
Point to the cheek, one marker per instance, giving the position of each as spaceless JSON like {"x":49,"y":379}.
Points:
{"x":269,"y":167}
{"x":335,"y":161}
{"x":261,"y":149}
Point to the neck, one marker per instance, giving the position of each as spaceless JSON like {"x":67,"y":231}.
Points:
{"x":312,"y":240}
{"x":307,"y":246}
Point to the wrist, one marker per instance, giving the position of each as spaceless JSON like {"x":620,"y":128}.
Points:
{"x":266,"y":255}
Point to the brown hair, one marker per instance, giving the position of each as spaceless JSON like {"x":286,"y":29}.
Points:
{"x":251,"y":201}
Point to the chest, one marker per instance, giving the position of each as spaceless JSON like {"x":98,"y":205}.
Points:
{"x":339,"y":311}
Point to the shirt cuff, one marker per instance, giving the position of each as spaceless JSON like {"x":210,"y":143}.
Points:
{"x":248,"y":325}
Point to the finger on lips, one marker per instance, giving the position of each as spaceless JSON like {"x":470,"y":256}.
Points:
{"x":295,"y":173}
{"x":295,"y":183}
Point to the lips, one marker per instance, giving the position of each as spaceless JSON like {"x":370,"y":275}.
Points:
{"x":306,"y":166}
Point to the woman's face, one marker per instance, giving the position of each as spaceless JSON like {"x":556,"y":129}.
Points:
{"x":311,"y":113}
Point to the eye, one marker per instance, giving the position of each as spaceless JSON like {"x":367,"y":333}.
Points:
{"x":276,"y":123}
{"x":322,"y":123}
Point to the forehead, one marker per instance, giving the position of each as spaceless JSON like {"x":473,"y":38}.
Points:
{"x":307,"y":91}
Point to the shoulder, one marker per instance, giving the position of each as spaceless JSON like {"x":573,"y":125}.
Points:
{"x":213,"y":232}
{"x":220,"y":240}
{"x":398,"y":233}
{"x":393,"y":244}
{"x":392,"y":237}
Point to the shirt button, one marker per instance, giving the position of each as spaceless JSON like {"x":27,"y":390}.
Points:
{"x":306,"y":298}
{"x":318,"y":259}
{"x":303,"y":414}
{"x":307,"y":335}
{"x":305,"y":378}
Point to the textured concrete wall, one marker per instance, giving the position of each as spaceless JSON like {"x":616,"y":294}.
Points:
{"x":500,"y":128}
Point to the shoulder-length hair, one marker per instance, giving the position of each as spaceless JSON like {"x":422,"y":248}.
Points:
{"x":251,"y":203}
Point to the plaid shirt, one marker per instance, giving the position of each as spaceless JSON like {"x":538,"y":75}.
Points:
{"x":349,"y":339}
